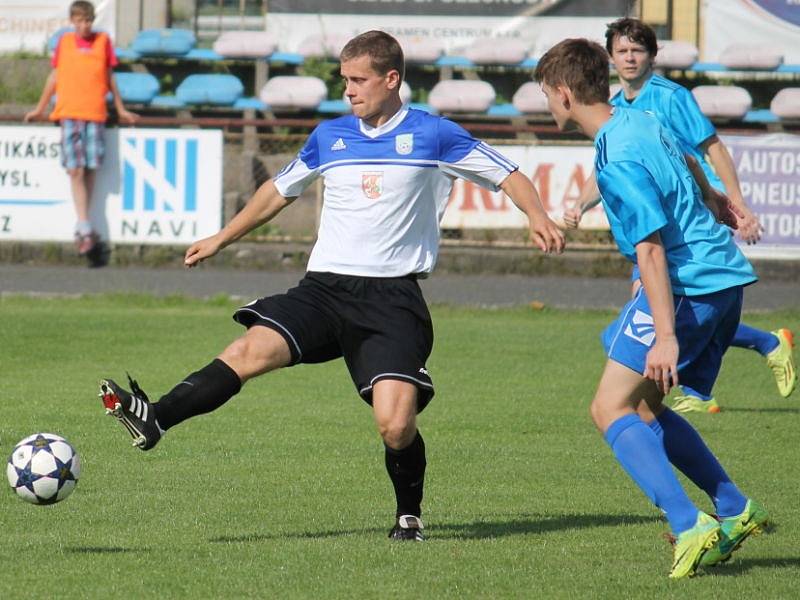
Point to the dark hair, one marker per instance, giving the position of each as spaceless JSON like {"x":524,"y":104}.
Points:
{"x":579,"y":64}
{"x":384,"y":51}
{"x":633,"y":29}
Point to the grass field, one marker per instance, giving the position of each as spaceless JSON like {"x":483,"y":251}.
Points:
{"x":283,"y":493}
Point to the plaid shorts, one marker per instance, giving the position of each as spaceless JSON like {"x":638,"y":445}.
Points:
{"x":82,"y":144}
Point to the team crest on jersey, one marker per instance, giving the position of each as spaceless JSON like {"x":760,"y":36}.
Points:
{"x":372,"y":184}
{"x":404,"y":143}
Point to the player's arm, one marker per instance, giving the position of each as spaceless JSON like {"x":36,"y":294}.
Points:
{"x":662,"y":359}
{"x":749,"y":226}
{"x":47,"y":93}
{"x":544,"y":232}
{"x":718,"y":203}
{"x":261,"y":208}
{"x":587,"y":200}
{"x":125,"y":116}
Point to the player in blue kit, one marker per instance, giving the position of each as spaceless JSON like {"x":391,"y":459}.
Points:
{"x":388,"y":172}
{"x":633,"y":47}
{"x":678,"y":325}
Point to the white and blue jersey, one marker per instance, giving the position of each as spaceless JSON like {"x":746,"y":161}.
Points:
{"x":646,"y":186}
{"x":386,"y":189}
{"x":677,"y":110}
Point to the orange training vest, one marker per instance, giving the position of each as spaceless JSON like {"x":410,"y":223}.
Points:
{"x":81,"y":80}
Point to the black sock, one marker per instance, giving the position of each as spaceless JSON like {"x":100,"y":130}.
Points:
{"x":201,"y":392}
{"x":406,"y":469}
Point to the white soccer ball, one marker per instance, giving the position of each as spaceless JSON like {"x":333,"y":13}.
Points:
{"x":43,"y":468}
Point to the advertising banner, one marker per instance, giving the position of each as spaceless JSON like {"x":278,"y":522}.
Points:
{"x":156,"y":186}
{"x":766,"y":23}
{"x":769,"y":173}
{"x":28,"y":25}
{"x":558,"y":172}
{"x":768,"y":167}
{"x":453,"y":23}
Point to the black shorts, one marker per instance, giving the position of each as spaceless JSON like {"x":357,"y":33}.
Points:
{"x":380,"y":325}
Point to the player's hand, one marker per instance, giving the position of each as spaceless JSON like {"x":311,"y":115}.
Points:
{"x":201,"y":250}
{"x":547,"y":236}
{"x":34,"y":115}
{"x":662,"y":363}
{"x":749,"y":227}
{"x":127,"y":117}
{"x":572,"y":217}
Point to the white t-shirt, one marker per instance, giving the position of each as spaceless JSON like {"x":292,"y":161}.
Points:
{"x":386,"y":189}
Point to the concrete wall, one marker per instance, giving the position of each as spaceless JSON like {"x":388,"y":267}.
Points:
{"x":133,"y":15}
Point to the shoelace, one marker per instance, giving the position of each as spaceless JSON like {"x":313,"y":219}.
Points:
{"x":136,"y":390}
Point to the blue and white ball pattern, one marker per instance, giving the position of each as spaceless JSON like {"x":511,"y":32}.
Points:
{"x":43,"y":468}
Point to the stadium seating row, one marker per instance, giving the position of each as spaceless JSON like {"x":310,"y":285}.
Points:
{"x":181,"y":43}
{"x":290,"y":92}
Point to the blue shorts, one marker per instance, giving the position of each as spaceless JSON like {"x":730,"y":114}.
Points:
{"x":82,"y":144}
{"x":704,"y":326}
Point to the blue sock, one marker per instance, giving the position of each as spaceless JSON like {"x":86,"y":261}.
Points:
{"x":762,"y":342}
{"x":690,"y":391}
{"x":642,"y":456}
{"x":687,"y":451}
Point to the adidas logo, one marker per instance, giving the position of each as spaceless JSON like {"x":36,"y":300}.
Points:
{"x":338,"y":145}
{"x":424,"y":371}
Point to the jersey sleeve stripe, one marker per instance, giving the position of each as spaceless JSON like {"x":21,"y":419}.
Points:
{"x":286,"y":169}
{"x":496,"y":157}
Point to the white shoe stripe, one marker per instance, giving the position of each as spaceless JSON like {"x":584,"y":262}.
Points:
{"x":144,"y":412}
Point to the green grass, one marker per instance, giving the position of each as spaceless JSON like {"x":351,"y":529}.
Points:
{"x":282,"y":492}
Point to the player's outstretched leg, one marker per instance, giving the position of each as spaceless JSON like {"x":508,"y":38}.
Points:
{"x":753,"y":519}
{"x":776,"y":347}
{"x":693,"y":401}
{"x":133,"y":410}
{"x":200,"y":392}
{"x":781,"y":361}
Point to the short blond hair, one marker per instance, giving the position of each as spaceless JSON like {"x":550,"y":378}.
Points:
{"x":81,"y":8}
{"x":383,"y":50}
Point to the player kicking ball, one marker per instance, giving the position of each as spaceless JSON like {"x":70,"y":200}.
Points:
{"x":388,"y":172}
{"x":677,"y":327}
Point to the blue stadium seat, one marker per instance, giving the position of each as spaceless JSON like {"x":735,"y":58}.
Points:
{"x":163,"y":42}
{"x":126,"y":54}
{"x":216,"y":89}
{"x":289,"y":58}
{"x":169,"y":102}
{"x":250,"y":104}
{"x":139,"y":88}
{"x":761,"y":115}
{"x":503,"y":110}
{"x":202,"y":54}
{"x":335,"y":107}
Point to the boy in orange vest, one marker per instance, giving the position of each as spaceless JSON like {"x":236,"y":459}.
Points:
{"x":81,"y":78}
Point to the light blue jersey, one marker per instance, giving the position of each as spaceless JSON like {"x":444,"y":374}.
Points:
{"x":646,"y":186}
{"x":677,"y":110}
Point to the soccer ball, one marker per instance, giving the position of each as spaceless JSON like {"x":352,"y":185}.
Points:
{"x":43,"y":468}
